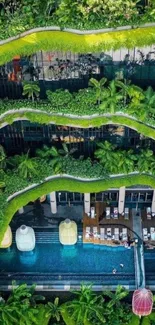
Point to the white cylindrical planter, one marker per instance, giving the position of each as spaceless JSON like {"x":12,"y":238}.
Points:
{"x":87,"y":202}
{"x":53,"y":202}
{"x":21,"y":210}
{"x":25,"y":238}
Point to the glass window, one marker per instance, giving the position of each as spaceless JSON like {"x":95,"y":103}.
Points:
{"x":128,"y":196}
{"x":114,"y":196}
{"x":99,"y":197}
{"x":134,"y":197}
{"x":142,"y":197}
{"x":149,"y":196}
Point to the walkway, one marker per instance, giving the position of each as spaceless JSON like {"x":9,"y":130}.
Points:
{"x":139,"y":250}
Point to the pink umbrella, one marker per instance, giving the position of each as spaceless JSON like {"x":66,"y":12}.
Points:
{"x":142,"y":302}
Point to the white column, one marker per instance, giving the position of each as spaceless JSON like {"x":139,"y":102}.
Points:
{"x":153,"y":202}
{"x":21,"y":210}
{"x":86,"y":202}
{"x":121,"y":199}
{"x":53,"y":202}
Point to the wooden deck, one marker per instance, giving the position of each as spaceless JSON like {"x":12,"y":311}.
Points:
{"x":105,"y":223}
{"x":148,"y":223}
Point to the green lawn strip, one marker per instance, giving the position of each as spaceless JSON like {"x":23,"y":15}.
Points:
{"x":65,"y":41}
{"x":43,"y":118}
{"x":72,"y":185}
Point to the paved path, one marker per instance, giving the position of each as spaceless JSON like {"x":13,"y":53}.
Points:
{"x":139,"y":250}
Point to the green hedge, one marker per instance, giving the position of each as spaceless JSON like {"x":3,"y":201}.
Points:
{"x":72,"y":185}
{"x":65,"y":41}
{"x":46,"y":118}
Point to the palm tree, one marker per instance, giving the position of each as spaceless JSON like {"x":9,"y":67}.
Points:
{"x":87,"y":308}
{"x":107,"y":156}
{"x":146,"y":161}
{"x":99,"y":87}
{"x":116,"y":297}
{"x":150,"y":100}
{"x":112,"y":98}
{"x":53,"y":310}
{"x":26,"y":166}
{"x":55,"y":156}
{"x":126,"y":161}
{"x":31,"y":89}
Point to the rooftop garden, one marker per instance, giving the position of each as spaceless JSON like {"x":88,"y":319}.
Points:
{"x":103,"y":102}
{"x":55,"y":169}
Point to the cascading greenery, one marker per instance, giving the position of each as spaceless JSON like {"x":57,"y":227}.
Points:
{"x":22,"y":171}
{"x":114,"y":102}
{"x":76,"y":43}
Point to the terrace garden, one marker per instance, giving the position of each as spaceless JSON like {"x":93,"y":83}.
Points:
{"x":114,"y":102}
{"x":55,"y":169}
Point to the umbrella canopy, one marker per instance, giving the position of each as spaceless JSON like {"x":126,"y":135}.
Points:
{"x":142,"y":302}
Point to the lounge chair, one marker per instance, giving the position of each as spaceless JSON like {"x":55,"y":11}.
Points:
{"x":92,"y":212}
{"x":148,"y":213}
{"x":126,"y":214}
{"x":152,"y":233}
{"x":107,"y":212}
{"x":124,"y":234}
{"x":102,"y":233}
{"x":145,"y":234}
{"x":115,"y":213}
{"x":95,"y":233}
{"x":116,"y":233}
{"x":109,"y":237}
{"x":87,"y":232}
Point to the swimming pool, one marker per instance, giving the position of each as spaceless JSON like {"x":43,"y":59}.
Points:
{"x":79,"y":260}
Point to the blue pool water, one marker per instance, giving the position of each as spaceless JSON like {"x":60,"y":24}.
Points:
{"x":54,"y":258}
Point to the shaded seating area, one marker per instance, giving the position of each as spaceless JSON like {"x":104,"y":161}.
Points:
{"x":68,"y":232}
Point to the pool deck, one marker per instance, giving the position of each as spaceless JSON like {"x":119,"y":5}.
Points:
{"x":112,"y":223}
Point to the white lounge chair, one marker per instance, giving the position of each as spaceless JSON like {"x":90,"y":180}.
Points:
{"x":107,"y":212}
{"x":95,"y":233}
{"x":148,"y":213}
{"x":145,"y":234}
{"x":152,"y":233}
{"x":109,"y":237}
{"x":115,"y":213}
{"x":87,"y":232}
{"x":126,"y":214}
{"x":116,"y":233}
{"x":102,"y":233}
{"x":124,"y":234}
{"x":92,"y":212}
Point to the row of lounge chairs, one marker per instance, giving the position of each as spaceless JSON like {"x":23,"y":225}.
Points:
{"x":107,"y":234}
{"x":147,"y":235}
{"x":114,"y":214}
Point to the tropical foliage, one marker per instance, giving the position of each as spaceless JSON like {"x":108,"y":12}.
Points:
{"x":86,"y":308}
{"x":18,"y":16}
{"x":101,"y":98}
{"x":23,"y":171}
{"x":31,"y":89}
